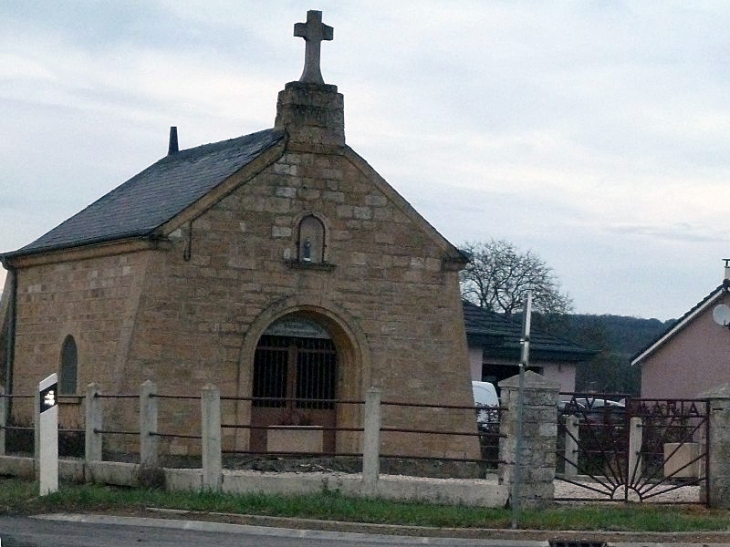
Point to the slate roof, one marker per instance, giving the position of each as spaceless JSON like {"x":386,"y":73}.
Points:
{"x":680,"y":323}
{"x":500,"y":337}
{"x":148,"y":200}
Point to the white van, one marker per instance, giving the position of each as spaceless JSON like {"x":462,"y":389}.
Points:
{"x":485,"y":398}
{"x":484,"y":393}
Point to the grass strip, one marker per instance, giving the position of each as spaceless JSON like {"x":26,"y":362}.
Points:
{"x":21,"y":497}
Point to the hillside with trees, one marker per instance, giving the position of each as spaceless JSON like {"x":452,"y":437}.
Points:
{"x":498,"y":277}
{"x":617,"y":338}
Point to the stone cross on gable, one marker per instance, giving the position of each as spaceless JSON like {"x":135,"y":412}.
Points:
{"x":313,"y":32}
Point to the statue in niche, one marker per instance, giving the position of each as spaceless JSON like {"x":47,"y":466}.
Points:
{"x":311,"y":240}
{"x":307,"y":251}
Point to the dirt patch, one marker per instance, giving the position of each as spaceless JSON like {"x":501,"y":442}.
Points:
{"x":438,"y":469}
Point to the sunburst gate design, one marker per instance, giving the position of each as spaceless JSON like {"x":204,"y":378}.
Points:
{"x":633,"y":449}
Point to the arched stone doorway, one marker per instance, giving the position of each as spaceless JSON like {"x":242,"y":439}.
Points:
{"x":295,"y":381}
{"x":353,"y":369}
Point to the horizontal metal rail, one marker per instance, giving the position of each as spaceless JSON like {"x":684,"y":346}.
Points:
{"x":175,"y":436}
{"x":435,"y":405}
{"x":115,"y":432}
{"x":436,"y":458}
{"x":295,"y":400}
{"x":435,"y":432}
{"x":308,"y":454}
{"x":291,"y":427}
{"x":181,"y":397}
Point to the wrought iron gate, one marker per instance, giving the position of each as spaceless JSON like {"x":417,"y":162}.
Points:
{"x":633,"y":449}
{"x":294,"y":383}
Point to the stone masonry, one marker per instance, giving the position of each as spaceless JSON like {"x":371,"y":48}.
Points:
{"x":718,"y":446}
{"x":187,"y":308}
{"x":539,"y":435}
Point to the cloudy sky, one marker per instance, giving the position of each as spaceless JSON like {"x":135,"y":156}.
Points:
{"x":592,"y":132}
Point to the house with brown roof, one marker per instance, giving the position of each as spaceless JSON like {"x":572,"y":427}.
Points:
{"x":495,"y":350}
{"x":275,"y":265}
{"x":693,"y":355}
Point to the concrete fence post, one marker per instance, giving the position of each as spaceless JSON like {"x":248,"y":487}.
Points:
{"x":211,"y":438}
{"x":717,"y":493}
{"x":3,"y":420}
{"x":94,"y":424}
{"x":636,"y":443}
{"x":572,"y":432}
{"x":36,"y":433}
{"x":539,"y":439}
{"x":371,"y":441}
{"x":148,"y":442}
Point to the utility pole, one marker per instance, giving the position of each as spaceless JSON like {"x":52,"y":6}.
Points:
{"x":524,"y":362}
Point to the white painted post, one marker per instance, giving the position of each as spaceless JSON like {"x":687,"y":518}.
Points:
{"x":3,"y":419}
{"x":48,"y":434}
{"x":211,"y":438}
{"x":36,"y":433}
{"x":571,"y":446}
{"x":94,"y":421}
{"x":148,"y":442}
{"x":635,"y":445}
{"x":371,"y":441}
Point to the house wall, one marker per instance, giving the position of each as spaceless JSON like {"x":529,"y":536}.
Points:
{"x":695,"y":360}
{"x":475,"y":362}
{"x":562,"y":374}
{"x":184,"y":319}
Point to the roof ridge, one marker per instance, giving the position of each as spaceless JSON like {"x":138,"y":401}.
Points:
{"x":679,"y":323}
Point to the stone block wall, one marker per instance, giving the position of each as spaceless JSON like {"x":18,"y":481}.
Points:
{"x":180,"y":315}
{"x":388,"y":282}
{"x":190,"y":311}
{"x":93,"y":300}
{"x":532,"y":485}
{"x":718,"y":446}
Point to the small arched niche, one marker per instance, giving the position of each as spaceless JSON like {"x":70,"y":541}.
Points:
{"x":69,"y":367}
{"x":311,"y":240}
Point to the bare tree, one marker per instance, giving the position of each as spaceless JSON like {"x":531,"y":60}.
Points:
{"x":498,"y":275}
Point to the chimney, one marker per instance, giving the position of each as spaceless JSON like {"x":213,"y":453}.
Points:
{"x":727,"y":268}
{"x":172,"y":148}
{"x":311,"y":111}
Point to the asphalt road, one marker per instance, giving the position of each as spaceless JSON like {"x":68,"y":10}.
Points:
{"x":90,"y":531}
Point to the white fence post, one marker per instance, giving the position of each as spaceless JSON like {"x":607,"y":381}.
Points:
{"x":47,"y":434}
{"x":371,"y":441}
{"x":148,"y":442}
{"x":211,"y":438}
{"x":94,"y":421}
{"x":36,"y":433}
{"x":636,"y":442}
{"x":571,"y":446}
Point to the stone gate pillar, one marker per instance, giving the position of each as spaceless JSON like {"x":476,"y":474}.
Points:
{"x":718,"y":445}
{"x":539,"y":436}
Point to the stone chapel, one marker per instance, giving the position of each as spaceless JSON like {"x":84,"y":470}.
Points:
{"x":278,"y":266}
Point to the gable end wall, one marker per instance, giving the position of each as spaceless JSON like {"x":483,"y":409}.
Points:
{"x":181,"y":316}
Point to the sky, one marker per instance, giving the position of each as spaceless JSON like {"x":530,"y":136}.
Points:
{"x":593,"y":133}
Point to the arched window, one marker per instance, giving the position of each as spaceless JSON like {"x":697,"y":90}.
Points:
{"x":69,"y":366}
{"x":311,"y":240}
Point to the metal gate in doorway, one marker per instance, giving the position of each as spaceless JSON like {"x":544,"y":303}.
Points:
{"x":294,"y":384}
{"x":632,"y":449}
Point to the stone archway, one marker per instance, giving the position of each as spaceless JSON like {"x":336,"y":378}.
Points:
{"x":294,"y":385}
{"x":329,"y":344}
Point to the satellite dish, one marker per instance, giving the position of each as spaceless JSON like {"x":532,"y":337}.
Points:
{"x":721,"y":315}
